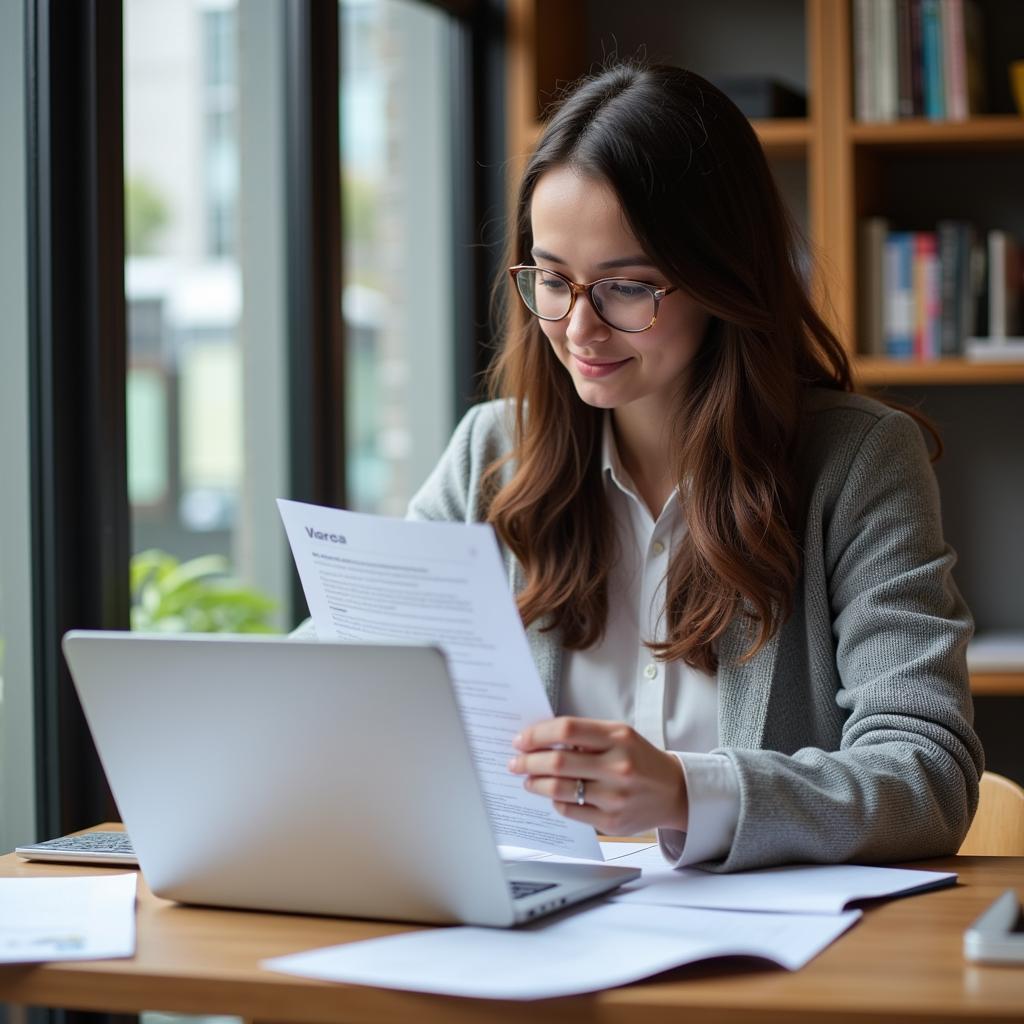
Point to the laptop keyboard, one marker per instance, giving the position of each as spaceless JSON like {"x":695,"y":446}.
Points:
{"x":521,"y":889}
{"x":91,"y":842}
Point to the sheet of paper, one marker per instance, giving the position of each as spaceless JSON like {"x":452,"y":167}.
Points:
{"x":801,"y":888}
{"x":67,"y":918}
{"x":370,"y":579}
{"x":582,"y":951}
{"x":609,"y":851}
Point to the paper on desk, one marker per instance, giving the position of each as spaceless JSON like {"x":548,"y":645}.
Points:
{"x":801,"y":888}
{"x":67,"y":918}
{"x":610,"y":851}
{"x":580,"y":951}
{"x":370,"y":579}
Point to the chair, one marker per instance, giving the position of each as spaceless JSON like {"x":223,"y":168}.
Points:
{"x":998,"y":827}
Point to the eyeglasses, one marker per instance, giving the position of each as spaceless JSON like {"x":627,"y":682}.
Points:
{"x":621,"y":303}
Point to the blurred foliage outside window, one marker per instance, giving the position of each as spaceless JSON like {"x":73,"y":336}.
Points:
{"x":197,"y":596}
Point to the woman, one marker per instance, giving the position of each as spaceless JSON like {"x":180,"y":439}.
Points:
{"x":730,"y":566}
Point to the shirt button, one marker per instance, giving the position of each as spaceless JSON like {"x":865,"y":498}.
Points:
{"x":651,"y":671}
{"x":658,"y":548}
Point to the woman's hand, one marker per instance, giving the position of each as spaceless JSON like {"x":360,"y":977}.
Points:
{"x":629,"y":785}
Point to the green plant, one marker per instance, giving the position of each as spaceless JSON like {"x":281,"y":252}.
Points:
{"x":197,"y":596}
{"x":146,"y":215}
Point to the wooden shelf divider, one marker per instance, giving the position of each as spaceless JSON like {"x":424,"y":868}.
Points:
{"x":877,"y":371}
{"x":997,"y":684}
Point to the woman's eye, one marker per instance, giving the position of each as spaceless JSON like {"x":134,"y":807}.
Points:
{"x":553,"y":284}
{"x":628,"y":290}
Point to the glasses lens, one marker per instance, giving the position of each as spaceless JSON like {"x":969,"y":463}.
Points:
{"x":546,"y":295}
{"x":627,"y":305}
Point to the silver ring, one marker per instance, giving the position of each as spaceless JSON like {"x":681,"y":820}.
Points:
{"x":580,"y":792}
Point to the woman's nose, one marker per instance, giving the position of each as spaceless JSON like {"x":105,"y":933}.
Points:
{"x":584,"y":325}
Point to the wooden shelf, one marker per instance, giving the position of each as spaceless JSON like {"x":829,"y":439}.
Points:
{"x":997,"y":684}
{"x":993,"y":131}
{"x":784,"y":136}
{"x":875,"y":371}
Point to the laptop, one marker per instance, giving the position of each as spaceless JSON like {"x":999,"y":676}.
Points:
{"x":303,"y":776}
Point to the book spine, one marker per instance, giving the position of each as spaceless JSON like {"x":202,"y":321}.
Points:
{"x":904,"y":60}
{"x":955,"y":59}
{"x":932,"y":303}
{"x":899,"y":293}
{"x":917,"y":57}
{"x":887,"y":93}
{"x":873,"y":231}
{"x":949,"y":293}
{"x":931,"y":35}
{"x":864,"y":78}
{"x":997,"y":284}
{"x":919,"y":241}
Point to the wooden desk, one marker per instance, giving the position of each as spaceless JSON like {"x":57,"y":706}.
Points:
{"x":901,"y":963}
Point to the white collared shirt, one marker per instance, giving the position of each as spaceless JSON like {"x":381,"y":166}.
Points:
{"x":670,"y":704}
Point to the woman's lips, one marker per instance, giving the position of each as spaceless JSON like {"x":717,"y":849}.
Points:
{"x":597,"y":368}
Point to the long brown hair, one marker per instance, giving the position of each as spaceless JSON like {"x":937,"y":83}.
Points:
{"x":696,"y":190}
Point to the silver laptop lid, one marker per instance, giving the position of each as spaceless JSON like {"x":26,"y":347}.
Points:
{"x":253,"y":772}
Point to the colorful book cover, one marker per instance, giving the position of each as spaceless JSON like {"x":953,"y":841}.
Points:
{"x":899,"y":295}
{"x":931,"y":40}
{"x":926,"y":296}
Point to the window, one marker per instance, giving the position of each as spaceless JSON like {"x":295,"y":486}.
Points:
{"x":198,"y":359}
{"x":397,"y":214}
{"x":17,"y":783}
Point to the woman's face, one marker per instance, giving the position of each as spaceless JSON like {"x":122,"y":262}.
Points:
{"x":579,"y":230}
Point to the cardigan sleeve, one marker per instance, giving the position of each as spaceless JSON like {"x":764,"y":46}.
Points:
{"x":904,"y":782}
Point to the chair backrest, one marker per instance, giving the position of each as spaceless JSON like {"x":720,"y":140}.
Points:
{"x":998,"y":827}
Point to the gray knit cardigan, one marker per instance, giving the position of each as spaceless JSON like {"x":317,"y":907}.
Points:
{"x":851,"y":730}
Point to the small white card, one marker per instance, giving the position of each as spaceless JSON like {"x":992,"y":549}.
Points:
{"x":84,"y":917}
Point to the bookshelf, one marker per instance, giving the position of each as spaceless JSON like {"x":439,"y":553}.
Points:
{"x":843,"y":171}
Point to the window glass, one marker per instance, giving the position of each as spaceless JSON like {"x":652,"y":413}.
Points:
{"x":17,"y":721}
{"x":397,"y":216}
{"x":191,"y":476}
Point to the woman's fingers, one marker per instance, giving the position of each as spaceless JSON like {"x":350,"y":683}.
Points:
{"x":583,"y":733}
{"x":572,"y":764}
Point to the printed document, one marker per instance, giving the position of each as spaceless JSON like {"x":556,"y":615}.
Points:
{"x":800,"y":888}
{"x":578,"y":951}
{"x":369,"y":579}
{"x":84,"y":917}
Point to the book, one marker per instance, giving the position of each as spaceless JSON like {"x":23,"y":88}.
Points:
{"x":1004,"y":284}
{"x":931,"y":49}
{"x":863,"y":59}
{"x":873,"y":231}
{"x":994,"y":350}
{"x":916,"y":58}
{"x":904,"y":61}
{"x":996,"y":651}
{"x":954,"y":59}
{"x":885,"y":61}
{"x":898,"y":295}
{"x":959,"y":284}
{"x":926,"y":295}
